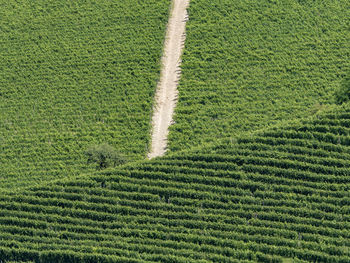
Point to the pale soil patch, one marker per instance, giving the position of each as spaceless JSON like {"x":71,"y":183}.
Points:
{"x":166,"y":94}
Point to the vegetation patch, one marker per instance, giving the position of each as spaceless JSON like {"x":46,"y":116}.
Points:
{"x":250,"y":64}
{"x":77,"y":81}
{"x":74,"y":74}
{"x":278,"y":196}
{"x":104,"y":156}
{"x":343,"y":94}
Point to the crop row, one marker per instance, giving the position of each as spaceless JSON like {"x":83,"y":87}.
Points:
{"x":248,"y":65}
{"x":78,"y":74}
{"x":237,"y":202}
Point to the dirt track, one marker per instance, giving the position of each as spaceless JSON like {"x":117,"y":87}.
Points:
{"x":166,"y":94}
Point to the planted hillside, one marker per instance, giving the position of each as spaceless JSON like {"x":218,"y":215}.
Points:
{"x":74,"y":74}
{"x":249,"y":64}
{"x":277,"y":196}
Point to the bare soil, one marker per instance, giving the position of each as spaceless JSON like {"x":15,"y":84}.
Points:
{"x":166,"y":94}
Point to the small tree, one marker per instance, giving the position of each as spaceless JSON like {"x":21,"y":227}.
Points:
{"x":343,"y":94}
{"x":104,"y":155}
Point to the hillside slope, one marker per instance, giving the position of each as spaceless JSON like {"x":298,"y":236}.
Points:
{"x":274,"y":196}
{"x":75,"y":74}
{"x":249,"y":64}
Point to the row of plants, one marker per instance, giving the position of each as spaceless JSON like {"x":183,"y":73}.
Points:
{"x":249,"y":200}
{"x":251,"y":64}
{"x":75,"y":74}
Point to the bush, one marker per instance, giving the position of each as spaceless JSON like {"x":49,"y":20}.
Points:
{"x":104,"y":155}
{"x":343,"y":94}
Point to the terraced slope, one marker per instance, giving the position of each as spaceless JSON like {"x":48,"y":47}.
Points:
{"x":249,"y":64}
{"x":275,"y":196}
{"x":72,"y":74}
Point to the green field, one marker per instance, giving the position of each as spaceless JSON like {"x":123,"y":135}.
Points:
{"x":73,"y":74}
{"x":250,"y":64}
{"x":258,"y":168}
{"x":276,"y":196}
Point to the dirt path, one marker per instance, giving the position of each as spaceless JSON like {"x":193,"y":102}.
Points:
{"x":166,"y":94}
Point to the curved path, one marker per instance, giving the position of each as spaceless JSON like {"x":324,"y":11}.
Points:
{"x":166,"y":94}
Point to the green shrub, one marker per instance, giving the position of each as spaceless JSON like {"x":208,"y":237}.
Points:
{"x":343,"y":94}
{"x":104,"y":155}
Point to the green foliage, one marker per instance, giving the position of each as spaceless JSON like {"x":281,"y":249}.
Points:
{"x":87,"y":72}
{"x":281,"y":195}
{"x":104,"y":156}
{"x":250,"y":64}
{"x":343,"y":94}
{"x":72,"y":74}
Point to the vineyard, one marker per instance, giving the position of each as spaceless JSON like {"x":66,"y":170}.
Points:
{"x":74,"y":74}
{"x":258,"y":161}
{"x":281,"y":195}
{"x":250,"y":64}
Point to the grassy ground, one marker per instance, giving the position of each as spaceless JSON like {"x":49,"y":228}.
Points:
{"x":250,"y":64}
{"x":74,"y":74}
